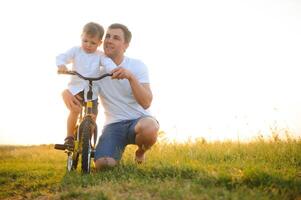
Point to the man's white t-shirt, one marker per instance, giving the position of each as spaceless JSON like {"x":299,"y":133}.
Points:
{"x":116,"y":95}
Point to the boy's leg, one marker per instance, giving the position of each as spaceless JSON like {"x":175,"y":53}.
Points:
{"x":71,"y":122}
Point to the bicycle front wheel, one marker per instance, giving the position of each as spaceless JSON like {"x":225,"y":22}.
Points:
{"x":86,"y":128}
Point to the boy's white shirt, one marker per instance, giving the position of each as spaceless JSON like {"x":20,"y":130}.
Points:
{"x":87,"y":64}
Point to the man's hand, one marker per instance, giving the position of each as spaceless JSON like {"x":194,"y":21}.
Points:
{"x":121,"y":73}
{"x":72,"y":103}
{"x":62,"y":68}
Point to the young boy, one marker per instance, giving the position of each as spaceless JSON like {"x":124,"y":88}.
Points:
{"x":85,"y":59}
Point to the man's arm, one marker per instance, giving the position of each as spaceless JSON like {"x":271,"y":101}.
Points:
{"x":141,"y":92}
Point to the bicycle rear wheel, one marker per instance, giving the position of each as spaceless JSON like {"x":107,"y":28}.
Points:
{"x":86,"y":128}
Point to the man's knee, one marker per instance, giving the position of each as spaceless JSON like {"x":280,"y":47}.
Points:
{"x":147,"y":124}
{"x":147,"y":131}
{"x":105,"y":162}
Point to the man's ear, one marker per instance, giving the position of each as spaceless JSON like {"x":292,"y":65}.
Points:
{"x":99,"y":43}
{"x":126,"y":46}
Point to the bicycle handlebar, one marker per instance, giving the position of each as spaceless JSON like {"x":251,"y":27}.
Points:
{"x":86,"y":78}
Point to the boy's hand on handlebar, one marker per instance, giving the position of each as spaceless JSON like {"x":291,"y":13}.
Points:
{"x":62,"y":68}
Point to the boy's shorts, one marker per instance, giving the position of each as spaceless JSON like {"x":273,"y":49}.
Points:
{"x":115,"y":137}
{"x":82,"y":101}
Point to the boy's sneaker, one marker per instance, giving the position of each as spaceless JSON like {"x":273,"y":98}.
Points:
{"x":69,"y":141}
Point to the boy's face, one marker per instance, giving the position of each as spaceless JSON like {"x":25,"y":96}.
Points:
{"x":90,"y":43}
{"x":114,"y":43}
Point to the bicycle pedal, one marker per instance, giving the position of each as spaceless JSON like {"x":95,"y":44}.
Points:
{"x":60,"y":146}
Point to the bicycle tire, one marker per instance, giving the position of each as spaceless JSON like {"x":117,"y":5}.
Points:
{"x":95,"y":136}
{"x":76,"y":150}
{"x":86,"y":131}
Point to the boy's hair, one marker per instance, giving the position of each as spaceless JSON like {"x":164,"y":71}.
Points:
{"x":127,"y":33}
{"x":93,"y":29}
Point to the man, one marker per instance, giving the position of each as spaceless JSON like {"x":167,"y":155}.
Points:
{"x":125,"y":99}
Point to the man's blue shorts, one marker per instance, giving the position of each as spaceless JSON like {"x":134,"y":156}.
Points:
{"x":114,"y":139}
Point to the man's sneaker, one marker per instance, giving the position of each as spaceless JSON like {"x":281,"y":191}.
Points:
{"x":69,"y":142}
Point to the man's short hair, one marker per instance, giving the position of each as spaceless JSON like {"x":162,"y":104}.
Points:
{"x":127,"y":33}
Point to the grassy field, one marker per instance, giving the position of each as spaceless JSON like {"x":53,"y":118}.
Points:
{"x":195,"y":170}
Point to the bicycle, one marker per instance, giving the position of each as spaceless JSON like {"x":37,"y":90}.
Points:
{"x":86,"y":128}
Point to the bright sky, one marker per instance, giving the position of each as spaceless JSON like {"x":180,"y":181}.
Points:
{"x":219,"y":69}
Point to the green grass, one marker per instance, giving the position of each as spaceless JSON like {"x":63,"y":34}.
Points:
{"x":219,"y":170}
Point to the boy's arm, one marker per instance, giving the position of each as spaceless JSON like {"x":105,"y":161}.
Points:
{"x":65,"y":58}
